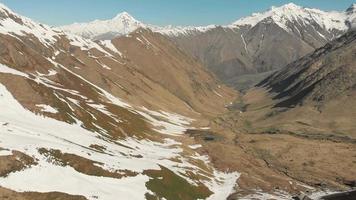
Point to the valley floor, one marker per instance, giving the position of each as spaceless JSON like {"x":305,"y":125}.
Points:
{"x":278,"y":158}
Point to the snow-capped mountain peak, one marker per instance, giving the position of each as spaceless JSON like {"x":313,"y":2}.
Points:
{"x":124,"y":16}
{"x":289,"y":6}
{"x":124,"y":23}
{"x":292,"y":13}
{"x":121,"y":24}
{"x":276,"y":13}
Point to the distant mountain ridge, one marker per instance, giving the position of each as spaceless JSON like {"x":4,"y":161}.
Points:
{"x":124,"y":23}
{"x":248,"y":49}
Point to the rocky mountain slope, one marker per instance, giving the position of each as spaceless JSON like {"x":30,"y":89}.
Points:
{"x":313,"y":96}
{"x":241,"y":53}
{"x":107,"y":117}
{"x":320,"y":77}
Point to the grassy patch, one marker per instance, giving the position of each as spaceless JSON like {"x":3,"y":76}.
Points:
{"x":166,"y":184}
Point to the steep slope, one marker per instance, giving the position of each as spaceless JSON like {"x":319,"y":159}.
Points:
{"x":326,"y":74}
{"x":100,"y":116}
{"x":230,"y":53}
{"x":161,"y":62}
{"x":312,"y":97}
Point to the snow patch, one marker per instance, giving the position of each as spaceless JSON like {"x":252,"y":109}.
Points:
{"x":44,"y":178}
{"x":195,"y":146}
{"x":4,"y":152}
{"x":108,"y":44}
{"x":166,"y":123}
{"x":7,"y":70}
{"x":47,"y":108}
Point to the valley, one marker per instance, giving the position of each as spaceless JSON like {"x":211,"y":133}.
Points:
{"x":263,"y":108}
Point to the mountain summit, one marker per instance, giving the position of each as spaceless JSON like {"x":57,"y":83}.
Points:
{"x":121,"y":24}
{"x":289,"y":14}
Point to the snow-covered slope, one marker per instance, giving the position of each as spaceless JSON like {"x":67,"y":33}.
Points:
{"x":60,"y":92}
{"x":30,"y":133}
{"x":22,"y":27}
{"x":14,"y":24}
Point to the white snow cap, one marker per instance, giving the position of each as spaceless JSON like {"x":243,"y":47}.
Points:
{"x":121,"y":24}
{"x":292,"y":12}
{"x":124,"y":16}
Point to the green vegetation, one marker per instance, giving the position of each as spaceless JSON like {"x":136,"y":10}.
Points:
{"x":166,"y":184}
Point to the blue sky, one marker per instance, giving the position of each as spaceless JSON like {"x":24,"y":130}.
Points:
{"x":159,"y":12}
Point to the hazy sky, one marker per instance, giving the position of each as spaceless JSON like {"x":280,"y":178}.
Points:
{"x":159,"y":12}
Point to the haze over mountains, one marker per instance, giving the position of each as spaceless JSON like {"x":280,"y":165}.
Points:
{"x":245,"y":51}
{"x":119,"y":108}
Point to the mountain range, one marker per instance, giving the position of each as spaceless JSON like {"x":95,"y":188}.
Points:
{"x":244,"y":52}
